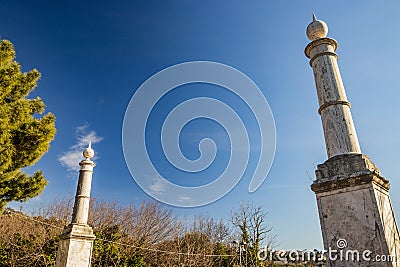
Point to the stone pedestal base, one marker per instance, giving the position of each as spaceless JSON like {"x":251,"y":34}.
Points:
{"x":357,"y":220}
{"x":75,"y":247}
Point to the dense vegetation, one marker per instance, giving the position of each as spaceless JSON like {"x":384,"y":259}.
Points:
{"x":24,"y":136}
{"x":146,"y":235}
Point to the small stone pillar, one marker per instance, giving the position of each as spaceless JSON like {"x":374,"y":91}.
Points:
{"x":357,"y":220}
{"x":76,"y":241}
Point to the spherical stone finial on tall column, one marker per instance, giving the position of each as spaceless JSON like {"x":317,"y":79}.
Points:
{"x":339,"y":131}
{"x":317,"y":29}
{"x":352,"y":196}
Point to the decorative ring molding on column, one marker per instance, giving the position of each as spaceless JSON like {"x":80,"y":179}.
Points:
{"x":318,"y":42}
{"x":322,"y":54}
{"x":330,"y":103}
{"x":82,"y":196}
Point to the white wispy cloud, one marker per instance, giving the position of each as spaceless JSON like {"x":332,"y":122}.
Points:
{"x":158,"y":185}
{"x":184,"y":198}
{"x":73,"y":156}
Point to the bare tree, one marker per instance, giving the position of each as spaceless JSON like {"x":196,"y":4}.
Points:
{"x":149,"y":224}
{"x":253,"y":229}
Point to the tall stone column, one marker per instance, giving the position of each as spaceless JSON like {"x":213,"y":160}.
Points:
{"x":76,"y":241}
{"x":357,"y":220}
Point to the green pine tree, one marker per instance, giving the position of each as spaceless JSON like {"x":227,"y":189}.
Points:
{"x":24,"y":136}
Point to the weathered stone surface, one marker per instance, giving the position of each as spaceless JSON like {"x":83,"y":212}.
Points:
{"x":81,"y":206}
{"x":357,"y":220}
{"x":77,"y":231}
{"x":363,"y":216}
{"x":75,"y":247}
{"x":76,"y":241}
{"x":345,"y":166}
{"x":354,"y":205}
{"x":347,"y":170}
{"x":339,"y":131}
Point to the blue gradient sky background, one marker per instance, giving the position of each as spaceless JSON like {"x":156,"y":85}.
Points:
{"x":94,"y":55}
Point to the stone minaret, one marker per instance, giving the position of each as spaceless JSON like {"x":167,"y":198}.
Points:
{"x":76,"y":242}
{"x":353,"y":201}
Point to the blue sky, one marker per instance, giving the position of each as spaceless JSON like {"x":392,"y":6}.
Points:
{"x":94,"y":55}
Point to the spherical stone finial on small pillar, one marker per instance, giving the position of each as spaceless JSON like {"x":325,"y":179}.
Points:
{"x":76,"y":242}
{"x":88,"y":153}
{"x":81,"y":208}
{"x":316,"y":29}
